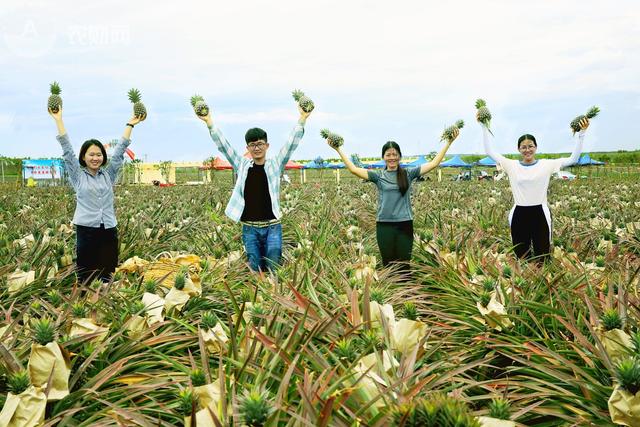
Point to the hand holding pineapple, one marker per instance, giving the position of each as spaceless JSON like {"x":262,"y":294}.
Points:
{"x":335,"y":141}
{"x":451,"y":133}
{"x":304,"y":115}
{"x":578,"y":125}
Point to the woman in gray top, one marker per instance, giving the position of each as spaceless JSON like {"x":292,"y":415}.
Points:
{"x":394,"y":220}
{"x":94,"y":217}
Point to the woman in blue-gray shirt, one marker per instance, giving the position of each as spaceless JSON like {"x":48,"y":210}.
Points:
{"x":394,"y":220}
{"x":94,"y":217}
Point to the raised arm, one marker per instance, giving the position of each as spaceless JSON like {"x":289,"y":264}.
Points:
{"x":498,"y":158}
{"x":359,"y":172}
{"x":575,"y":154}
{"x":427,"y":167}
{"x":294,"y":139}
{"x":70,"y":159}
{"x":117,"y":158}
{"x":221,"y":142}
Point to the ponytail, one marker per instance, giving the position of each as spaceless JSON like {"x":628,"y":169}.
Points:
{"x":403,"y":178}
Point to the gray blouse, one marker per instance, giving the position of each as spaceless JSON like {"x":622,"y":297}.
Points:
{"x":393,"y":206}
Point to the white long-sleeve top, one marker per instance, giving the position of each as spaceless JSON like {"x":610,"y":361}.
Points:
{"x":529,"y":183}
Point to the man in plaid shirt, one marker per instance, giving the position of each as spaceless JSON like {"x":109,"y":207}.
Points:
{"x":255,"y":199}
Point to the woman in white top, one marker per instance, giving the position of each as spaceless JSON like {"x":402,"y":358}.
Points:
{"x":530,"y":219}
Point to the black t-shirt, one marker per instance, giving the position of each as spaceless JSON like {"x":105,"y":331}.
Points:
{"x":257,"y":200}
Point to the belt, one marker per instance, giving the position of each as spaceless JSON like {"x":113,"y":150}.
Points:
{"x":261,"y":224}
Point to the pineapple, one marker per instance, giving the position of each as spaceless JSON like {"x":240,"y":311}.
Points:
{"x":484,"y":115}
{"x":500,"y":409}
{"x":150,"y":286}
{"x":575,"y":123}
{"x":78,"y":310}
{"x":333,"y":139}
{"x":44,"y":331}
{"x":303,"y":101}
{"x":19,"y":382}
{"x":447,"y":134}
{"x":628,"y":375}
{"x":139,"y":110}
{"x":485,"y":298}
{"x":208,"y":320}
{"x":371,"y":340}
{"x":258,"y":311}
{"x":345,"y":350}
{"x":611,"y":320}
{"x":197,"y":378}
{"x":377,"y":295}
{"x":255,"y":409}
{"x":180,"y":280}
{"x":55,"y":102}
{"x":199,"y":105}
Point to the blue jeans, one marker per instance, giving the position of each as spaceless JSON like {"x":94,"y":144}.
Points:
{"x":263,"y":246}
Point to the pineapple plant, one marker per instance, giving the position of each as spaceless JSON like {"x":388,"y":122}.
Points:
{"x":628,"y":375}
{"x":54,"y":104}
{"x":500,"y":408}
{"x":370,"y":340}
{"x":483,"y":114}
{"x":410,"y":311}
{"x":258,"y":311}
{"x":199,"y":105}
{"x":485,"y":298}
{"x":19,"y":382}
{"x":377,"y":295}
{"x":180,"y":281}
{"x":197,"y":377}
{"x":139,"y":110}
{"x":488,"y":285}
{"x":255,"y":409}
{"x":44,"y":331}
{"x":575,"y":123}
{"x":150,"y":286}
{"x":611,"y":320}
{"x":345,"y":349}
{"x":78,"y":310}
{"x":303,"y":101}
{"x":447,"y":134}
{"x":333,"y":139}
{"x":54,"y":297}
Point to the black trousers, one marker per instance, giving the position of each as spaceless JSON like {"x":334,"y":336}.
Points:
{"x":96,"y":252}
{"x":395,"y":241}
{"x":529,"y":227}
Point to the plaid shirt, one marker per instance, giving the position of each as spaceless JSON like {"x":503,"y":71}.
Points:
{"x":272,"y":167}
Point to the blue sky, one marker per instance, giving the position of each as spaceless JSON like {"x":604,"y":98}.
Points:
{"x":377,"y":70}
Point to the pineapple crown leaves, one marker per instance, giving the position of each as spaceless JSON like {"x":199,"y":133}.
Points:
{"x":197,"y":378}
{"x":208,"y":320}
{"x":325,"y":133}
{"x":297,"y":94}
{"x":593,"y":111}
{"x":255,"y":409}
{"x":19,"y":382}
{"x":44,"y":331}
{"x":628,"y":375}
{"x":195,"y":99}
{"x":485,"y":299}
{"x":134,"y":95}
{"x":500,"y":408}
{"x":55,"y":88}
{"x":459,"y":124}
{"x":480,"y":103}
{"x":611,"y":319}
{"x":410,"y":311}
{"x":186,"y":402}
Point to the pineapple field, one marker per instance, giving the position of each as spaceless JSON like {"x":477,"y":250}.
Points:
{"x":184,"y":334}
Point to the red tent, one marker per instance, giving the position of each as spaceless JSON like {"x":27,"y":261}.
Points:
{"x":218,"y":164}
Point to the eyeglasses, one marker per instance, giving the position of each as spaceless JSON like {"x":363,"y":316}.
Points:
{"x":254,"y":145}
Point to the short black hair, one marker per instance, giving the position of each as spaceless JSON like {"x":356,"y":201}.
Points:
{"x":529,"y":137}
{"x":255,"y":134}
{"x":83,"y":150}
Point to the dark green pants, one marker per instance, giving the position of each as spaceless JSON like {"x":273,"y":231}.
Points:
{"x":395,"y":241}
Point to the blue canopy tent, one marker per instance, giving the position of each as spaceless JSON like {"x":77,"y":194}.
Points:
{"x":336,"y":165}
{"x":312,"y":165}
{"x":455,"y":162}
{"x":486,"y":161}
{"x":586,"y":160}
{"x":421,"y":160}
{"x":377,"y":165}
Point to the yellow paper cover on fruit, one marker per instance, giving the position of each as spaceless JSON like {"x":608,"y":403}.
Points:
{"x":617,"y":343}
{"x":133,"y":265}
{"x":494,"y":314}
{"x":85,"y":326}
{"x":215,"y":339}
{"x":495,"y":422}
{"x":24,"y":410}
{"x":624,"y":407}
{"x":175,"y":299}
{"x":136,"y":325}
{"x":154,"y":305}
{"x":43,"y":360}
{"x":377,"y":311}
{"x":406,"y":334}
{"x":19,"y":279}
{"x":371,"y":361}
{"x":163,"y":272}
{"x":203,"y":419}
{"x":192,"y":286}
{"x":209,"y":395}
{"x":187,"y":260}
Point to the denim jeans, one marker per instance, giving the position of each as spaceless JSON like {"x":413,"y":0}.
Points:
{"x":263,"y":246}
